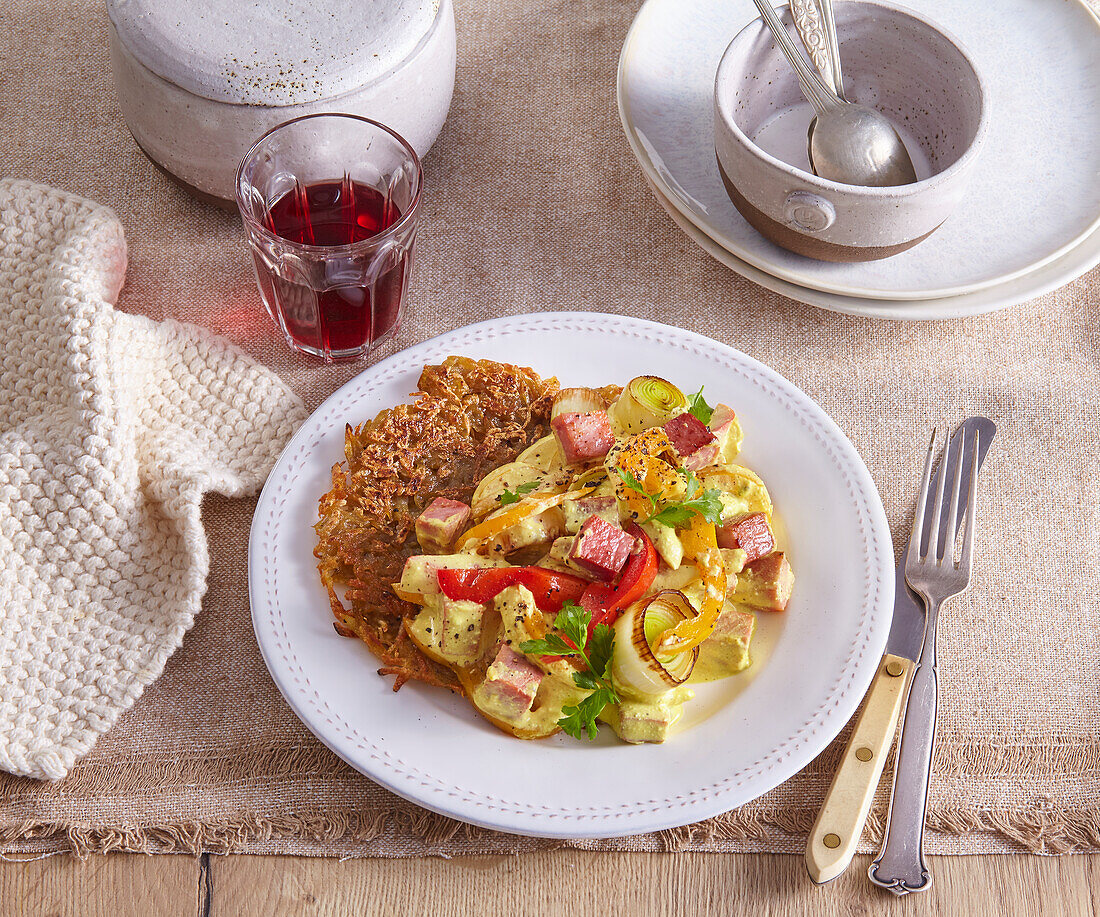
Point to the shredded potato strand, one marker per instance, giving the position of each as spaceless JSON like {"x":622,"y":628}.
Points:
{"x":469,"y":417}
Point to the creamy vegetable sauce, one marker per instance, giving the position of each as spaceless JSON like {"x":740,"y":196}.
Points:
{"x":467,"y":635}
{"x":517,"y":614}
{"x":515,"y":609}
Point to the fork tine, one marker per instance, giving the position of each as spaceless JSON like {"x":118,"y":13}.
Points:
{"x":935,"y":533}
{"x":971,"y":509}
{"x":950,"y":524}
{"x":922,"y":504}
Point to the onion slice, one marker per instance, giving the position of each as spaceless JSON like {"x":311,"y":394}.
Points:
{"x":647,"y":401}
{"x":578,"y":401}
{"x":635,"y":666}
{"x":486,"y":497}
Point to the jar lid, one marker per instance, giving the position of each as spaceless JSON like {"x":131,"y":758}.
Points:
{"x":271,"y":52}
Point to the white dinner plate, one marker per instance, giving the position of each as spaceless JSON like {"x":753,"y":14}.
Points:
{"x":746,"y":734}
{"x":1049,"y":277}
{"x":1035,"y":191}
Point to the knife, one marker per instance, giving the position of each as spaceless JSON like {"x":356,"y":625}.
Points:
{"x":835,"y":834}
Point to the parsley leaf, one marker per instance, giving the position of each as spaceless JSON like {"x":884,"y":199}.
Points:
{"x":595,"y":655}
{"x":674,"y":516}
{"x":600,"y":647}
{"x":572,"y":621}
{"x":677,"y":514}
{"x":510,"y":496}
{"x":634,"y":484}
{"x":691,"y":483}
{"x":586,"y":680}
{"x":698,"y":408}
{"x":553,"y":645}
{"x":707,"y":504}
{"x":581,"y":719}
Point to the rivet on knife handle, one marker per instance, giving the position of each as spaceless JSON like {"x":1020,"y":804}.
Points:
{"x":836,"y":832}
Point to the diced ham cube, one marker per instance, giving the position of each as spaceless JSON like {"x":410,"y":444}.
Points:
{"x":688,"y":434}
{"x":577,"y":511}
{"x":438,"y":527}
{"x":701,"y":458}
{"x":723,"y":424}
{"x":752,"y":534}
{"x":726,"y":650}
{"x":510,"y":685}
{"x":601,"y":548}
{"x":765,"y":583}
{"x":561,"y":558}
{"x":583,"y":437}
{"x":721,"y":418}
{"x":733,"y":625}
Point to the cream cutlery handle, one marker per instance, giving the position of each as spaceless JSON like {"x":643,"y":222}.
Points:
{"x":900,"y":866}
{"x":836,"y":832}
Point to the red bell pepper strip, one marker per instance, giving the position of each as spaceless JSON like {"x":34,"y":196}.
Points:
{"x":605,"y":603}
{"x":550,"y":588}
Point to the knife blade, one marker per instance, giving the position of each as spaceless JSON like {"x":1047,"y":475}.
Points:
{"x":836,"y":832}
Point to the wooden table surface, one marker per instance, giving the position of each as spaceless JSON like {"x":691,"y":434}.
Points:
{"x":578,"y":883}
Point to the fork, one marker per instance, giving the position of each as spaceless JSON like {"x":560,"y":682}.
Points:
{"x":936,"y":576}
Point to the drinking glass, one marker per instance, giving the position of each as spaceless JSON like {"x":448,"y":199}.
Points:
{"x":329,"y":204}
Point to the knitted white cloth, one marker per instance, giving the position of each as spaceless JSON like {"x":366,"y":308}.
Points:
{"x":112,"y":427}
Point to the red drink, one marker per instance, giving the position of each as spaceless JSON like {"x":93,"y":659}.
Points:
{"x":338,"y":302}
{"x":332,"y":254}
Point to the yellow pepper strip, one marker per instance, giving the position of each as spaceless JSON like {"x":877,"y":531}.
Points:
{"x":661,"y":478}
{"x":532,"y":506}
{"x":640,"y":456}
{"x":700,"y":543}
{"x":634,"y":464}
{"x":636,"y":504}
{"x":653,"y":442}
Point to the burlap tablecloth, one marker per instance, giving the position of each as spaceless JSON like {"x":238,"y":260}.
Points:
{"x":533,"y":202}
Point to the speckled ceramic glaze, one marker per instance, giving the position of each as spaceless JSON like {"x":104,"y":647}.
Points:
{"x":1030,"y":217}
{"x":894,"y":61}
{"x":198,"y":83}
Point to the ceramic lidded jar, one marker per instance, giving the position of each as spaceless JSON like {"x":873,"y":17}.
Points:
{"x":199,"y":82}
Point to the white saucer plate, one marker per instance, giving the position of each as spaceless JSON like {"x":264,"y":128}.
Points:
{"x":746,"y":734}
{"x":1049,"y":277}
{"x":1033,"y":200}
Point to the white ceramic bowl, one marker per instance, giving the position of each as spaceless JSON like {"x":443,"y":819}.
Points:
{"x":199,"y":84}
{"x":895,"y":61}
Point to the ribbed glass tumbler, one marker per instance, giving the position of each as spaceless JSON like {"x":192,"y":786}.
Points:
{"x":329,"y":204}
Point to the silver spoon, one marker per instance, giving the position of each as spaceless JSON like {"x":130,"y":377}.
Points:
{"x":816,"y":24}
{"x":809,"y":20}
{"x":848,"y":143}
{"x":832,"y":44}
